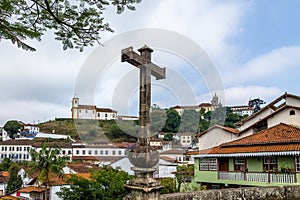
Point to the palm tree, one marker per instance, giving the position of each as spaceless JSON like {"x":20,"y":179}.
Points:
{"x":45,"y":163}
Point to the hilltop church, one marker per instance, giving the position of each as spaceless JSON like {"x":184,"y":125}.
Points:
{"x":91,"y":111}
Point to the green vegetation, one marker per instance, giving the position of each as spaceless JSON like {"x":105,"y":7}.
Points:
{"x":189,"y":121}
{"x":172,"y":121}
{"x":169,"y":186}
{"x":12,"y":127}
{"x":60,"y":126}
{"x":77,"y":23}
{"x":93,"y":130}
{"x":14,"y":181}
{"x":183,"y":176}
{"x":106,"y":183}
{"x":5,"y":164}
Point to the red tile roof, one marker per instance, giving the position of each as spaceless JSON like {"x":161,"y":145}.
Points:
{"x":32,"y":189}
{"x":279,"y":138}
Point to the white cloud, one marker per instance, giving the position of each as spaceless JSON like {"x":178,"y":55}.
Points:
{"x":210,"y":23}
{"x":240,"y":95}
{"x":266,"y":66}
{"x":31,"y":111}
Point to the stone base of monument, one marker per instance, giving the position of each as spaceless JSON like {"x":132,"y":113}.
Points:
{"x":143,"y":186}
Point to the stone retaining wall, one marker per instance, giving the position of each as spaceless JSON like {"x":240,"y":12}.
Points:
{"x":252,"y":193}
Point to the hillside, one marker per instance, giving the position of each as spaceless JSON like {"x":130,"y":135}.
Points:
{"x":91,"y":131}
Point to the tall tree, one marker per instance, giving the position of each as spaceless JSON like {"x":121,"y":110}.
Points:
{"x":172,"y":121}
{"x":12,"y":127}
{"x":76,"y":23}
{"x":45,"y":162}
{"x":106,"y":183}
{"x":14,"y":181}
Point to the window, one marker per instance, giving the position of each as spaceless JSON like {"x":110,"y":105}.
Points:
{"x":98,"y":114}
{"x":2,"y":148}
{"x":239,"y":164}
{"x":106,"y":152}
{"x":90,"y":152}
{"x":63,"y":152}
{"x":208,"y":164}
{"x":292,"y":112}
{"x":113,"y":152}
{"x":96,"y":152}
{"x":69,"y":152}
{"x":120,"y":152}
{"x":273,"y":163}
{"x":83,"y":152}
{"x":77,"y":152}
{"x":298,"y":164}
{"x":101,"y":152}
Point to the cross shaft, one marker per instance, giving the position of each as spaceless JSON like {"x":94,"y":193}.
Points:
{"x":147,"y":68}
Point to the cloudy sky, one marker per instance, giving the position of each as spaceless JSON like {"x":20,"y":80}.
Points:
{"x":253,"y":44}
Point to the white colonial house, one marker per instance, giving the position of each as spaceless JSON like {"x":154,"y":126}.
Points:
{"x":91,"y":111}
{"x":101,"y":154}
{"x":31,"y":128}
{"x":186,"y":139}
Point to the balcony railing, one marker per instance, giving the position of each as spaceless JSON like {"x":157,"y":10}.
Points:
{"x":258,"y":177}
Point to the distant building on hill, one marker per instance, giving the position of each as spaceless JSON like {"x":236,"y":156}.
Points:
{"x":91,"y":111}
{"x":206,"y":106}
{"x":242,"y":110}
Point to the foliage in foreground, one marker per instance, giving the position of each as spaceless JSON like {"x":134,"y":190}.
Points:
{"x":106,"y":183}
{"x":76,"y":23}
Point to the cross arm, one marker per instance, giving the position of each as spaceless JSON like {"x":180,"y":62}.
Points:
{"x":128,"y":55}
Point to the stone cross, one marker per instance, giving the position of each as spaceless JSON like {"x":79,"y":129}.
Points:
{"x":147,"y":68}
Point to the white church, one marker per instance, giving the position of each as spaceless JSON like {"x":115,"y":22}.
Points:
{"x":91,"y":111}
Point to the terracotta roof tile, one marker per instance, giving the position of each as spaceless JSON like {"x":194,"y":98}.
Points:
{"x":281,"y":133}
{"x":32,"y":189}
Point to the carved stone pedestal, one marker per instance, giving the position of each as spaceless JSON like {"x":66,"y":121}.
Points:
{"x":143,"y":186}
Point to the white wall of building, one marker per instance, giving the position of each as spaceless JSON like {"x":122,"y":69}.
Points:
{"x":215,"y":137}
